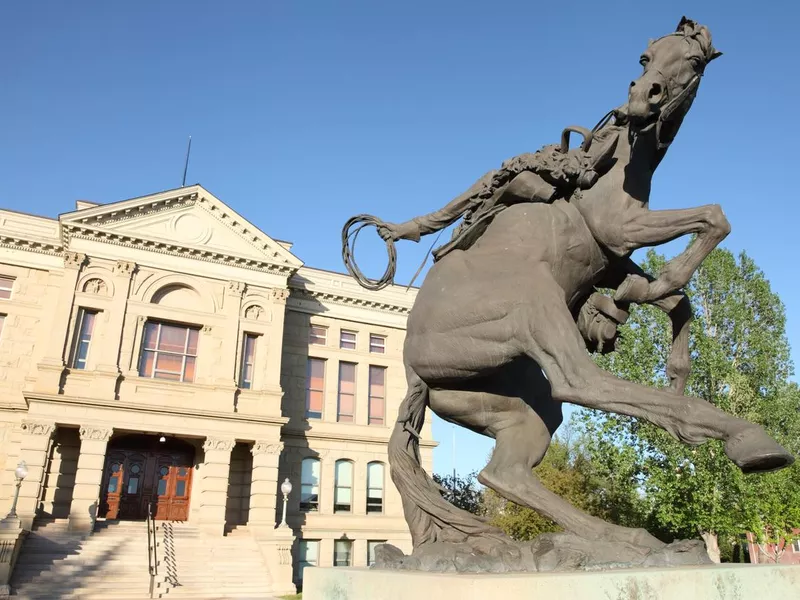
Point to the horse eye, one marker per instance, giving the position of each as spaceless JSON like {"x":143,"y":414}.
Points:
{"x":696,"y":61}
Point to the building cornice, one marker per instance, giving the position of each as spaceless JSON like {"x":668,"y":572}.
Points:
{"x":31,"y":245}
{"x":154,"y":409}
{"x":345,"y":437}
{"x":348,"y":300}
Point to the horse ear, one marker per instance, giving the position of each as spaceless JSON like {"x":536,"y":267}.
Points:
{"x":684,"y":23}
{"x":650,"y":42}
{"x":714,"y":54}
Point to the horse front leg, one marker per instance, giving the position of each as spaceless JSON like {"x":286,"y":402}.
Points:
{"x":675,"y":305}
{"x":645,"y":227}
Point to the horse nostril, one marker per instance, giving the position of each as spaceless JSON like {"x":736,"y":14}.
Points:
{"x":655,"y":90}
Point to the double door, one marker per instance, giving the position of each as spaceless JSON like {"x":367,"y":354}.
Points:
{"x":136,"y":479}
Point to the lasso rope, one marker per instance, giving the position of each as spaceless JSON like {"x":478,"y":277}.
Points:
{"x":356,"y":224}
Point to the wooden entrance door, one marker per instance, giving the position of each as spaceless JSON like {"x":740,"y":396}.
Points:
{"x":140,"y":472}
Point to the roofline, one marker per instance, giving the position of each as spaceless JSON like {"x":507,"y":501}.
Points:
{"x":28,"y":214}
{"x":343,"y":274}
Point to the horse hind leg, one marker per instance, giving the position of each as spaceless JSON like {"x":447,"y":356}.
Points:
{"x":522,"y":426}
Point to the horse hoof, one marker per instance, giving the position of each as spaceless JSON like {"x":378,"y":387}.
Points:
{"x":634,"y":288}
{"x":753,"y":451}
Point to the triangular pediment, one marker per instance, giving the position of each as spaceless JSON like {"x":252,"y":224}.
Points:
{"x":188,"y":220}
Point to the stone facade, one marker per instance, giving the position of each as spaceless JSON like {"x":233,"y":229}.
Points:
{"x":89,"y":359}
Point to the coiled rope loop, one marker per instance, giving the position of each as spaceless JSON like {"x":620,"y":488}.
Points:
{"x":350,"y":233}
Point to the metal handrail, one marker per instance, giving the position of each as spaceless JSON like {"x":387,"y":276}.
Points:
{"x":152,"y":549}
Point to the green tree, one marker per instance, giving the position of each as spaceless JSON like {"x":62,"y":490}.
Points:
{"x":740,"y":363}
{"x":464,"y":492}
{"x":567,"y":470}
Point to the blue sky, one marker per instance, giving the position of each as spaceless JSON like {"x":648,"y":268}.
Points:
{"x":306,"y":113}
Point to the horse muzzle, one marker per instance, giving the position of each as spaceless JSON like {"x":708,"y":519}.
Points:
{"x":645,"y":99}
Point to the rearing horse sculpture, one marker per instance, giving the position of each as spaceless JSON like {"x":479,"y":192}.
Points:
{"x":492,"y":341}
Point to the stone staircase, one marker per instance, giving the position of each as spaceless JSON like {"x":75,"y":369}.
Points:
{"x":112,"y":563}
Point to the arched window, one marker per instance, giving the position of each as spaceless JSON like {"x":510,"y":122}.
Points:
{"x":309,"y":485}
{"x":375,"y":487}
{"x":343,"y":495}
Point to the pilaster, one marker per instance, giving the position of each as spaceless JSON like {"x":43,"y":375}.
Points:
{"x":113,"y":331}
{"x":231,"y":308}
{"x":214,"y":474}
{"x":51,"y":367}
{"x":88,"y":477}
{"x":272,"y":375}
{"x":36,"y":437}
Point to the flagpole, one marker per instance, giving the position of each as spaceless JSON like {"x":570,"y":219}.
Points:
{"x":186,"y":165}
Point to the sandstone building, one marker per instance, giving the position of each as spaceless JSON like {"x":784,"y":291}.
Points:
{"x":164,"y":352}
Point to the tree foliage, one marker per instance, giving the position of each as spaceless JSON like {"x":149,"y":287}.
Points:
{"x":464,"y":492}
{"x":740,"y":363}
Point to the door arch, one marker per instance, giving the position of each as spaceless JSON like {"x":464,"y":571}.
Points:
{"x":140,"y":471}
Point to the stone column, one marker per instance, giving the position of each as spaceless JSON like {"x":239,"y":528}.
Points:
{"x":109,"y":366}
{"x":36,"y":436}
{"x":214,"y":475}
{"x":264,"y":492}
{"x":276,"y":544}
{"x":52,"y":365}
{"x":88,"y":478}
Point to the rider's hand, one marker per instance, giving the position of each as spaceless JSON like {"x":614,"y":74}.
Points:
{"x":389,"y":232}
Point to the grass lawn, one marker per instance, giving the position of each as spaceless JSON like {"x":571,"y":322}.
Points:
{"x":294,"y":597}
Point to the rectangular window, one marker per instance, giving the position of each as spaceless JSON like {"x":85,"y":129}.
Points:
{"x":377,"y":344}
{"x":318,"y":335}
{"x":169,"y":351}
{"x":371,"y":545}
{"x":377,"y":395}
{"x":347,"y":340}
{"x":2,"y":323}
{"x":375,"y":487}
{"x":248,"y":361}
{"x":84,"y":327}
{"x":315,"y":388}
{"x":347,"y":392}
{"x":796,"y":546}
{"x":6,"y":285}
{"x":342,"y":552}
{"x":309,"y":485}
{"x":308,"y":555}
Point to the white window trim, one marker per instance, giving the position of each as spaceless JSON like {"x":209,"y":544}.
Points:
{"x":382,"y":344}
{"x":77,"y":337}
{"x":341,"y":340}
{"x":324,"y":336}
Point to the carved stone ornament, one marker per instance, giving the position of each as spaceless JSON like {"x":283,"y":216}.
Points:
{"x":285,"y":554}
{"x":38,"y":428}
{"x":274,"y":448}
{"x":6,"y":550}
{"x":74,"y":260}
{"x":207,"y":328}
{"x":124,"y":267}
{"x":279,"y":294}
{"x":236,"y":287}
{"x":253,"y":312}
{"x":96,"y":434}
{"x":96,"y":286}
{"x":220,"y":444}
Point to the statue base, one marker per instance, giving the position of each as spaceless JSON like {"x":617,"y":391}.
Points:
{"x":721,"y":582}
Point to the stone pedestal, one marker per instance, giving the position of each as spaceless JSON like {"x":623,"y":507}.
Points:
{"x":277,"y":547}
{"x":88,"y":478}
{"x":720,"y":582}
{"x":36,"y":437}
{"x":214,"y":473}
{"x":11,"y":540}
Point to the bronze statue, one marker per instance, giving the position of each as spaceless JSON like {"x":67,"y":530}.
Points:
{"x":498,"y":336}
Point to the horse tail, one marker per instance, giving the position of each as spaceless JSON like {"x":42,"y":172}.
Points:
{"x":429,"y":516}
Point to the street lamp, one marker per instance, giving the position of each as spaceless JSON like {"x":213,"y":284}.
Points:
{"x":286,"y":489}
{"x":21,"y":472}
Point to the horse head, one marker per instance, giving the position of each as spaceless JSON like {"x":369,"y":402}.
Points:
{"x":673,"y":66}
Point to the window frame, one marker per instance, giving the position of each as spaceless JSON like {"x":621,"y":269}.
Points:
{"x":308,"y":414}
{"x":349,"y":544}
{"x":372,"y":487}
{"x":312,"y":338}
{"x":143,"y":350}
{"x":11,"y":280}
{"x":342,"y":333}
{"x":302,"y":564}
{"x":245,"y":384}
{"x":2,"y":324}
{"x":371,"y":398}
{"x":77,"y":337}
{"x":339,"y":394}
{"x":311,"y":506}
{"x":372,"y":345}
{"x":796,"y":545}
{"x":336,"y":487}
